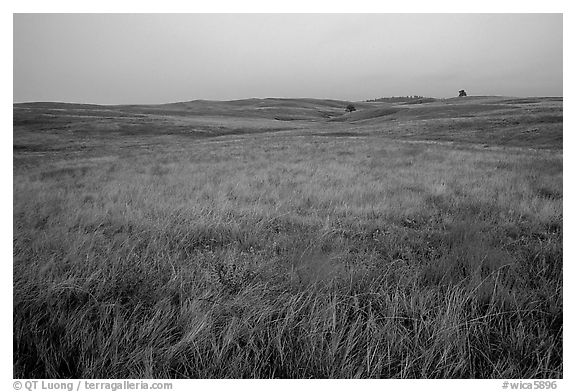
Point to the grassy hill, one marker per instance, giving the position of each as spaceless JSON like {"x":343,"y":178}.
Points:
{"x":508,"y":121}
{"x":286,"y":238}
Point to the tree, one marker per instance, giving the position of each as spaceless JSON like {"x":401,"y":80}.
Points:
{"x":461,"y":93}
{"x":350,"y":108}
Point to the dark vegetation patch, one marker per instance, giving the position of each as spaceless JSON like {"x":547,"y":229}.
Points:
{"x":549,"y":193}
{"x":453,"y":111}
{"x":341,"y":134}
{"x":78,"y":171}
{"x":28,"y":148}
{"x":368,"y":114}
{"x":523,"y":101}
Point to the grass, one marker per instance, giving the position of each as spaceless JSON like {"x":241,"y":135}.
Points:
{"x":287,"y":254}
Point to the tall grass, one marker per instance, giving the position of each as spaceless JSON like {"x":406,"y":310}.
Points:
{"x":293,"y":257}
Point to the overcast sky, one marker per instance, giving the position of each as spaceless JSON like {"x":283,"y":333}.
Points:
{"x":159,"y":58}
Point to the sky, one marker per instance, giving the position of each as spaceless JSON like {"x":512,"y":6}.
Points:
{"x":161,"y":58}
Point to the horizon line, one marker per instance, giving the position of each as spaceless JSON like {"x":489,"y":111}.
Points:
{"x":279,"y":98}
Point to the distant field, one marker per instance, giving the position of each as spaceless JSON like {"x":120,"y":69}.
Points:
{"x":287,"y":238}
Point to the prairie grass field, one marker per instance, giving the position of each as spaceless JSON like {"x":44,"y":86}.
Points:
{"x":287,"y":239}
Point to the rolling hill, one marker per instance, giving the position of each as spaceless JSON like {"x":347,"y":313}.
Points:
{"x":484,"y":119}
